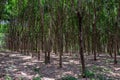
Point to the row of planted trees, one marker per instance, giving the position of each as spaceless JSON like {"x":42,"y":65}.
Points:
{"x":63,"y":26}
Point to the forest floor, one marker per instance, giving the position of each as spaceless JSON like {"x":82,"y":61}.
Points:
{"x":23,"y":67}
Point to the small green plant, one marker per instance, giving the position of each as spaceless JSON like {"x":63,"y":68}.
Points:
{"x":75,"y":56}
{"x":118,"y":52}
{"x":101,"y":77}
{"x":36,"y":70}
{"x":89,"y":74}
{"x":7,"y":77}
{"x":37,"y":78}
{"x":68,"y":78}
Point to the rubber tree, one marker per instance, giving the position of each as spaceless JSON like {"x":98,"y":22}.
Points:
{"x":80,"y":18}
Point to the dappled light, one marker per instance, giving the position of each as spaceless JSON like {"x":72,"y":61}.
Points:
{"x":23,"y":66}
{"x":59,"y":39}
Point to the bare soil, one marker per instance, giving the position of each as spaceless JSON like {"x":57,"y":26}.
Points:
{"x":22,"y":67}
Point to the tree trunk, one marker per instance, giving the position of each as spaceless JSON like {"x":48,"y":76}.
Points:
{"x":115,"y":49}
{"x":81,"y":43}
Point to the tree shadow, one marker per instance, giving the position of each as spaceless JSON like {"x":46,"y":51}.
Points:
{"x":17,"y":65}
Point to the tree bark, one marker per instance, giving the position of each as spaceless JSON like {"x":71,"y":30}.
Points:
{"x":81,"y":43}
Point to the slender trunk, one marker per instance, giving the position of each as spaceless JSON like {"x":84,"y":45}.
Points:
{"x":60,"y":57}
{"x":94,"y":34}
{"x":66,"y":43}
{"x":46,"y":60}
{"x":81,"y":43}
{"x":115,"y":50}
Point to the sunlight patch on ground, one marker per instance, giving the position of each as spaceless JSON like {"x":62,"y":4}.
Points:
{"x":28,"y":63}
{"x":15,"y":70}
{"x":117,"y":69}
{"x":27,"y":57}
{"x":10,"y":61}
{"x":14,"y":55}
{"x":53,"y":55}
{"x":45,"y":78}
{"x":20,"y":56}
{"x":2,"y":53}
{"x":24,"y":75}
{"x":115,"y":74}
{"x":34,"y":61}
{"x":3,"y":62}
{"x":69,"y":73}
{"x":65,"y":63}
{"x":73,"y":61}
